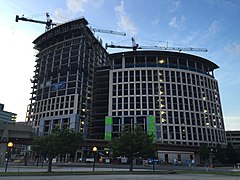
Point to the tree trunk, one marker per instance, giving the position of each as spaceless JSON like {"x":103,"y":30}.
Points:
{"x":50,"y":164}
{"x":131,"y":164}
{"x":37,"y":161}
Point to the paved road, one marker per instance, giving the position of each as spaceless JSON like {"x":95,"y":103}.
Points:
{"x":106,"y":167}
{"x":123,"y":177}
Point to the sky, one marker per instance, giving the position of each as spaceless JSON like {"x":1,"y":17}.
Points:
{"x":211,"y":24}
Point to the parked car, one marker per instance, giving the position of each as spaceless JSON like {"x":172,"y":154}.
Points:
{"x":151,"y":161}
{"x":89,"y":160}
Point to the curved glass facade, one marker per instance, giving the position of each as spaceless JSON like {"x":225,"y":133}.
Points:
{"x":178,"y":89}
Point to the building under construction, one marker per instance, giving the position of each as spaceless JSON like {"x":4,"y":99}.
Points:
{"x":62,"y":91}
{"x":78,"y":85}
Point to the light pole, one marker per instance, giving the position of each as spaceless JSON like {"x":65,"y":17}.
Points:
{"x":211,"y":158}
{"x":94,"y":157}
{"x":9,"y":146}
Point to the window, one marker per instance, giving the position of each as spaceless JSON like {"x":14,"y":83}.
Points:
{"x":125,"y":76}
{"x":125,"y":89}
{"x":176,"y":119}
{"x":137,"y":88}
{"x":114,"y":77}
{"x":150,"y":101}
{"x":171,"y":133}
{"x":149,"y":74}
{"x":131,"y":76}
{"x":143,"y":75}
{"x":114,"y":90}
{"x":138,"y":104}
{"x":155,"y":75}
{"x":165,"y":133}
{"x":119,"y":103}
{"x":131,"y":103}
{"x":119,"y":76}
{"x":144,"y":89}
{"x":131,"y":89}
{"x":156,"y":92}
{"x":119,"y":89}
{"x":150,"y":88}
{"x":144,"y":102}
{"x":125,"y":102}
{"x":167,"y":76}
{"x":173,"y":76}
{"x":174,"y":90}
{"x":137,"y":75}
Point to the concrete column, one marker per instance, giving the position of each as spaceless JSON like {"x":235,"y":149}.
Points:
{"x":3,"y":145}
{"x":3,"y":149}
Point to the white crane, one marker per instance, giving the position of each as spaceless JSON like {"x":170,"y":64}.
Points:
{"x":50,"y":24}
{"x":135,"y":46}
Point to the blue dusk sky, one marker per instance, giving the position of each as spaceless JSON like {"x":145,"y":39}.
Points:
{"x":211,"y":24}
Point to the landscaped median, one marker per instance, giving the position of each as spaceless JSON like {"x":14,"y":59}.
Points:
{"x":84,"y":173}
{"x":113,"y":173}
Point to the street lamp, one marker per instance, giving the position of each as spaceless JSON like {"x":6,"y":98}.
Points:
{"x":94,"y":157}
{"x":9,"y":146}
{"x":211,"y":158}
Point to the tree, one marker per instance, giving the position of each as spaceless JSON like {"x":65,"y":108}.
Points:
{"x":230,"y":154}
{"x":220,"y":154}
{"x":204,"y":153}
{"x":60,"y":141}
{"x":133,"y":145}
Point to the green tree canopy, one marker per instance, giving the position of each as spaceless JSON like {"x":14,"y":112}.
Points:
{"x":204,"y":153}
{"x":60,"y":141}
{"x":220,"y":153}
{"x":133,"y":144}
{"x":230,"y":154}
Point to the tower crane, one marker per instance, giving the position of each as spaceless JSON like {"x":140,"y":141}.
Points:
{"x":107,"y":31}
{"x":50,"y":24}
{"x":135,"y":46}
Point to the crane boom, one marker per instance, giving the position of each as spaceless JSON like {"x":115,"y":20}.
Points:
{"x":108,"y":31}
{"x":136,"y":46}
{"x":48,"y":23}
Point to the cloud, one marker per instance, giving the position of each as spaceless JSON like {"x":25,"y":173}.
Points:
{"x":233,"y":48}
{"x":124,"y":21}
{"x":214,"y":27}
{"x":232,"y":122}
{"x":175,"y":23}
{"x":60,"y":15}
{"x":175,"y":6}
{"x":156,"y":21}
{"x":76,"y":6}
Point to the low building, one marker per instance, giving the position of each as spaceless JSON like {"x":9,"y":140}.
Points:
{"x":233,"y":137}
{"x":6,"y":117}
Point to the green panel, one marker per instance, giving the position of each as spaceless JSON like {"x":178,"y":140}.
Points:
{"x":152,"y":127}
{"x":108,"y":121}
{"x":108,"y":136}
{"x":151,"y":119}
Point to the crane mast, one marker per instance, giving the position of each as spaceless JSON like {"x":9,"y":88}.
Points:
{"x":135,"y":46}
